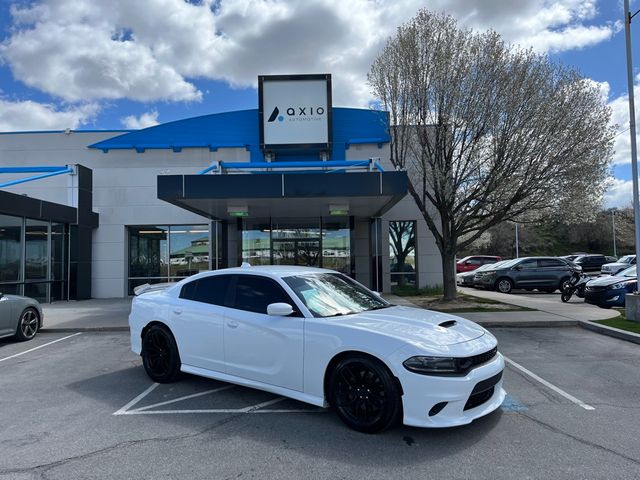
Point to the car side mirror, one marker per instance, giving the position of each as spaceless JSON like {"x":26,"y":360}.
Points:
{"x":517,"y":267}
{"x":279,"y":309}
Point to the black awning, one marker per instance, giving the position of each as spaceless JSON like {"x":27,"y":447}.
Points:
{"x":364,"y":194}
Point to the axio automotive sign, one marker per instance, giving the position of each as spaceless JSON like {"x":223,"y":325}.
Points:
{"x":295,"y":110}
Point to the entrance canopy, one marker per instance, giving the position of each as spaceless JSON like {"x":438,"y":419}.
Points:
{"x":302,"y":194}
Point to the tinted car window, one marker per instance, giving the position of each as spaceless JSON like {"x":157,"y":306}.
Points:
{"x":212,"y":289}
{"x":551,"y":262}
{"x":254,"y":294}
{"x":528,"y":264}
{"x":189,"y":290}
{"x":474,"y":261}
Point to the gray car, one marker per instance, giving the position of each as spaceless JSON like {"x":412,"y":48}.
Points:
{"x":20,"y":317}
{"x":546,"y":274}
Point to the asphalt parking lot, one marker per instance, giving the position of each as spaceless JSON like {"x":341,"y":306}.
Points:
{"x":81,"y":406}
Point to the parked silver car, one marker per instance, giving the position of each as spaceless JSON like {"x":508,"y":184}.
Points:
{"x":20,"y":317}
{"x":621,"y":264}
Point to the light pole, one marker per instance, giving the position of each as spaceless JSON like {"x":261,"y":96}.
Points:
{"x":613,"y":227}
{"x":632,"y":129}
{"x":517,"y":242}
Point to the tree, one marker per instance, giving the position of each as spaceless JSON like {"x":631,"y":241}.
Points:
{"x":403,"y":242}
{"x":487,"y":132}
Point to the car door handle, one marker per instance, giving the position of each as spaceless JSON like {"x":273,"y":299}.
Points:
{"x":232,"y":324}
{"x":177,"y":311}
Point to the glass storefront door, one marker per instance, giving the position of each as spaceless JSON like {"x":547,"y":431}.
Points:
{"x":312,"y":242}
{"x":296,"y":242}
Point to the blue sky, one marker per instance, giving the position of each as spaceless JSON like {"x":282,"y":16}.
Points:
{"x":117,"y":64}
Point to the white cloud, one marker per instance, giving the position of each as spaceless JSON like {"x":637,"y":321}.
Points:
{"x":149,"y":50}
{"x":148,"y":119}
{"x":619,"y":194}
{"x":28,"y":115}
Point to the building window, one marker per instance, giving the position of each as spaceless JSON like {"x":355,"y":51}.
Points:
{"x":10,"y":250}
{"x":316,"y":242}
{"x":166,"y":253}
{"x":33,"y":258}
{"x":402,"y":254}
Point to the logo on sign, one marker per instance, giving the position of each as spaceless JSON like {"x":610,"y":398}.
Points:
{"x":297,"y":114}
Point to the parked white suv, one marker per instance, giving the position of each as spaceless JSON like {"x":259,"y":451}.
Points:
{"x":615,"y":267}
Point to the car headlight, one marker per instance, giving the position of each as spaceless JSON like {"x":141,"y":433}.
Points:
{"x":618,"y":285}
{"x":437,"y":365}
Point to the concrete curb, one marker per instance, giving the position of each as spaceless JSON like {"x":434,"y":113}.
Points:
{"x":610,"y":331}
{"x":83,"y":329}
{"x":527,"y":324}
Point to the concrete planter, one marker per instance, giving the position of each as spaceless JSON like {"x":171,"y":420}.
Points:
{"x":632,"y":307}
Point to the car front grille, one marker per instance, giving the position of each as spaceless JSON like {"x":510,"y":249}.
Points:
{"x":595,"y":288}
{"x":483,"y":357}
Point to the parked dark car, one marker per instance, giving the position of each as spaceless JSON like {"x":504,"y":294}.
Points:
{"x":572,"y":256}
{"x":621,"y":264}
{"x":468,"y":264}
{"x":591,"y":263}
{"x":465,"y":279}
{"x":610,"y":291}
{"x":542,"y":273}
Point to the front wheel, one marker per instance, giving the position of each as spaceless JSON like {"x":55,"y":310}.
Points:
{"x":565,"y":297}
{"x":160,"y":355}
{"x":28,"y":325}
{"x":504,"y":285}
{"x":364,"y":394}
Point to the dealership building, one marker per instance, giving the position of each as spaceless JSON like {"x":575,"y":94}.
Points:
{"x":297,"y":181}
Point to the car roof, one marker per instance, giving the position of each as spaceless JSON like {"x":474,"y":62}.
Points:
{"x":266,"y":270}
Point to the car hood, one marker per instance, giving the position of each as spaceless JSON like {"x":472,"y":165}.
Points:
{"x":606,"y":281}
{"x":467,"y":274}
{"x":414,"y":325}
{"x":617,"y":264}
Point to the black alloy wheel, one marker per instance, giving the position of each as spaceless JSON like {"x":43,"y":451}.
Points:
{"x":28,"y":324}
{"x":364,"y":394}
{"x":160,"y":355}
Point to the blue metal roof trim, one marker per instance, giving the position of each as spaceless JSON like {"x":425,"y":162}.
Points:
{"x":240,"y":129}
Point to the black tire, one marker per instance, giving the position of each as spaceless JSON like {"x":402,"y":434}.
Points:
{"x":565,"y":283}
{"x":504,"y":285}
{"x":364,"y":394}
{"x":160,"y":355}
{"x":28,"y":324}
{"x":565,"y":297}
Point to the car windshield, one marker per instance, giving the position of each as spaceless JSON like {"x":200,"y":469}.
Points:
{"x":333,"y":294}
{"x":626,"y":259}
{"x":506,"y":263}
{"x":627,"y":272}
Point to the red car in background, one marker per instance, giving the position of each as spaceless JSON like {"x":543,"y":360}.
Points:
{"x":472,"y":262}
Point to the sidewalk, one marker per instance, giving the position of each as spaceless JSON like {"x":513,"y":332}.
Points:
{"x":103,"y":314}
{"x":576,"y":309}
{"x":111,"y":314}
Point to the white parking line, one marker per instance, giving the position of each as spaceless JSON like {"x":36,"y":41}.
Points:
{"x":258,"y":408}
{"x":124,"y":409}
{"x":549,"y":385}
{"x":187,"y":397}
{"x":39,"y":346}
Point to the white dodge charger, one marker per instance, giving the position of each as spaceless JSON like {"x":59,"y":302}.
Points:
{"x":320,"y":337}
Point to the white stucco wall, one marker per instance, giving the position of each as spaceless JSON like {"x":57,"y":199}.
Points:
{"x":124,"y":193}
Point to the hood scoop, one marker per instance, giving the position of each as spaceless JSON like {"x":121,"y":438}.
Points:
{"x":447,"y":324}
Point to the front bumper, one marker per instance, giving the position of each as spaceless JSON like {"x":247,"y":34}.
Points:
{"x":423,"y":392}
{"x":606,"y":298}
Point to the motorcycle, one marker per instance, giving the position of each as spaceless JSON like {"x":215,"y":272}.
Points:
{"x":575,"y":285}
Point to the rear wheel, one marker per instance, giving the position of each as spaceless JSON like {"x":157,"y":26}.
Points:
{"x":160,"y":355}
{"x":504,"y":285}
{"x":28,"y":324}
{"x":364,"y":394}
